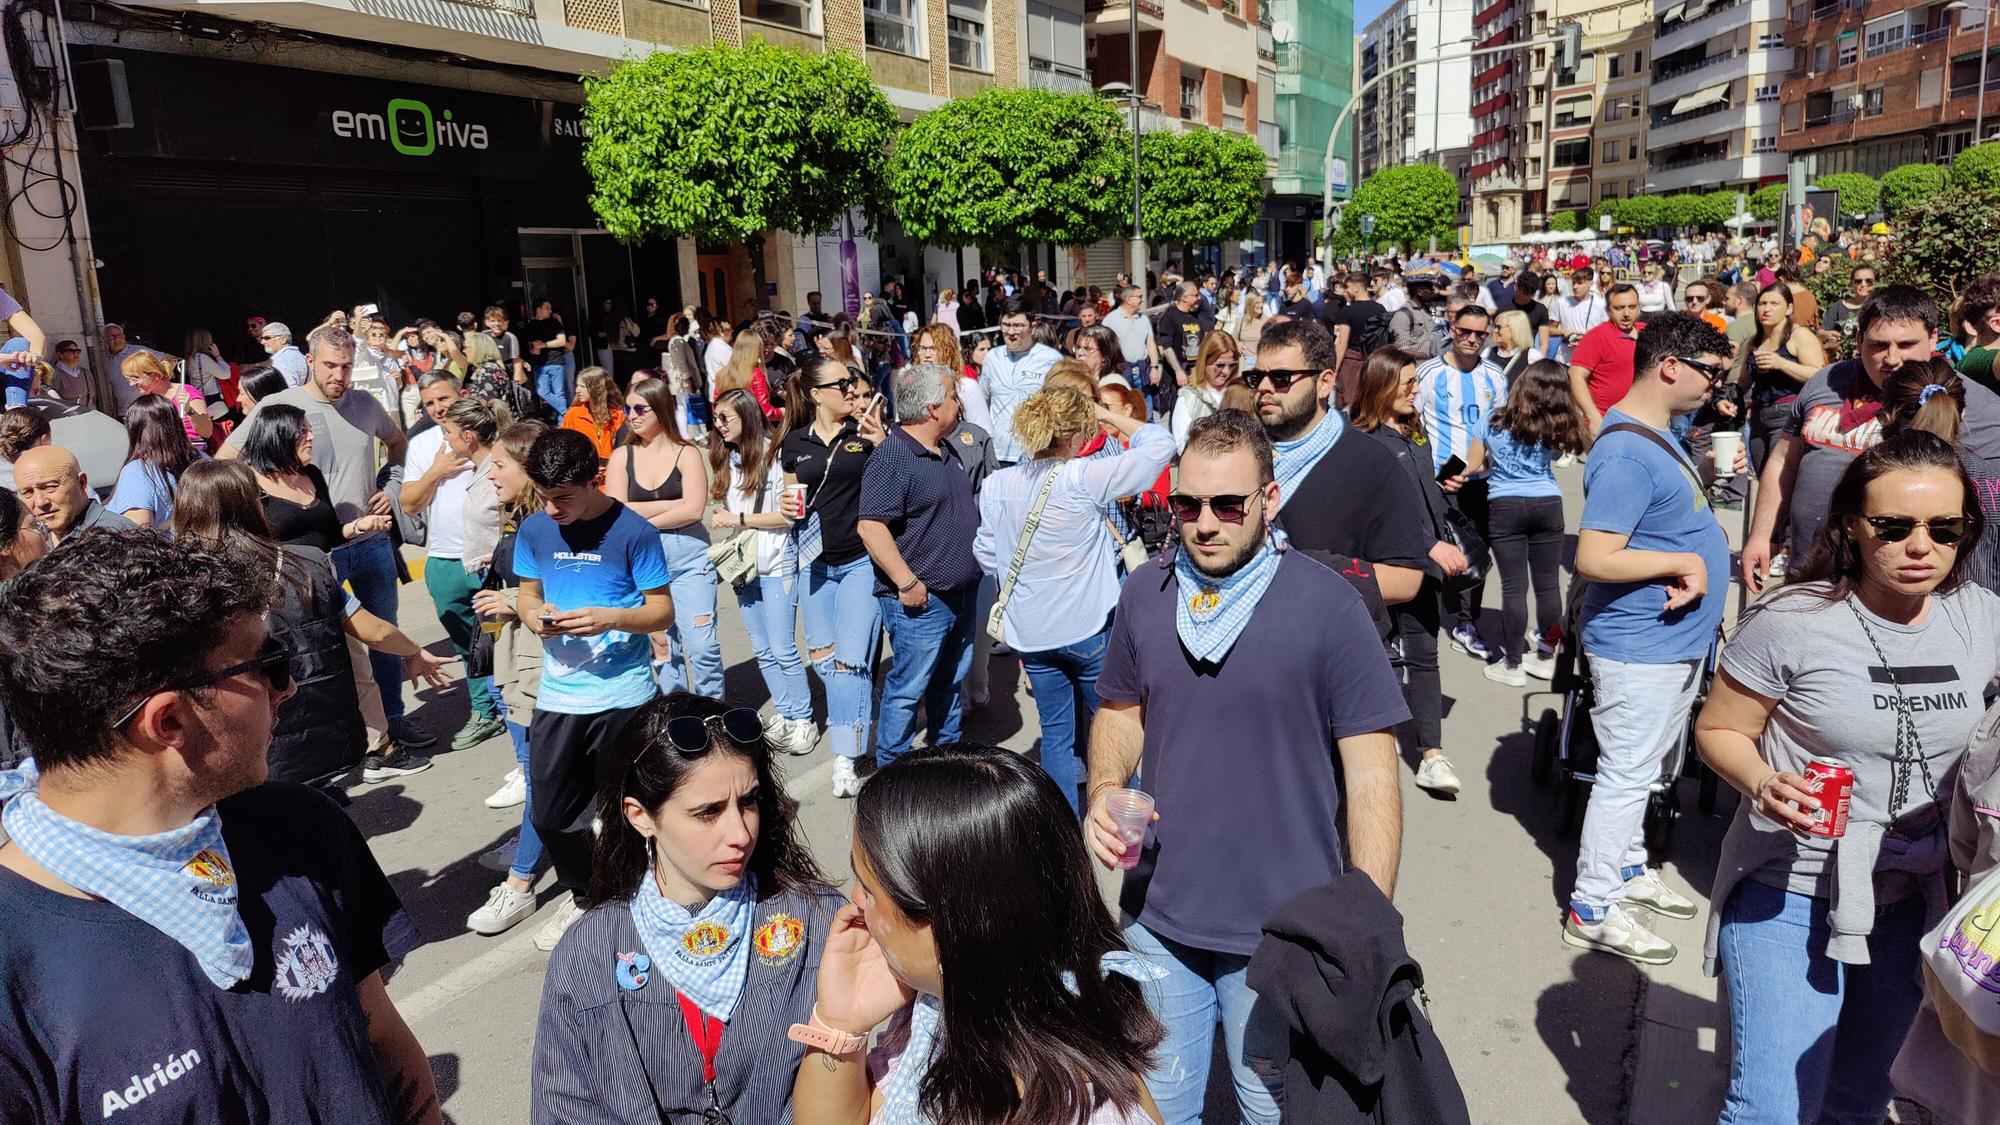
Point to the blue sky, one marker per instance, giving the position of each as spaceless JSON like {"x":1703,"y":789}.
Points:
{"x":1367,"y":10}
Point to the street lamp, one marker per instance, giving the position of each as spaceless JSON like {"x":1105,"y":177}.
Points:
{"x":1985,"y":38}
{"x":1135,"y":251}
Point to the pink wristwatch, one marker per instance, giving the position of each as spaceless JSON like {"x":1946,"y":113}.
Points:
{"x":831,"y":1040}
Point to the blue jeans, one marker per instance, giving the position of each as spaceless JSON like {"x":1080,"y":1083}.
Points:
{"x":1814,"y":1037}
{"x":843,"y":621}
{"x":528,"y":845}
{"x":693,"y":632}
{"x":770,"y":616}
{"x":1064,"y":677}
{"x":369,"y":567}
{"x":1200,"y":985}
{"x":552,"y":384}
{"x":933,"y":653}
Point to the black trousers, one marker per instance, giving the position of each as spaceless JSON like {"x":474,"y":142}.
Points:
{"x":1527,"y":544}
{"x":1471,"y":501}
{"x":1416,"y":622}
{"x":570,"y":757}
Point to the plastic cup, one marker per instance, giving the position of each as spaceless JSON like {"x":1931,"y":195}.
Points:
{"x":795,"y":497}
{"x":1130,"y":812}
{"x":1726,"y":445}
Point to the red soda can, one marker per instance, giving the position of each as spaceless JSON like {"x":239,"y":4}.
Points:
{"x":1833,"y":783}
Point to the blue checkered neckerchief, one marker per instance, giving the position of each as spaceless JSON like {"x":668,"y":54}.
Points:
{"x":179,"y":882}
{"x":1297,"y":457}
{"x":706,"y":954}
{"x":900,"y":1090}
{"x":1210,"y":612}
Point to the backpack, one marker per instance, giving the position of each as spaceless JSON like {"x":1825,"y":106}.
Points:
{"x":1372,"y":334}
{"x":1410,"y":330}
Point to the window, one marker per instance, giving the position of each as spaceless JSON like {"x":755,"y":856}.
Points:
{"x":1535,"y":167}
{"x":1850,"y":45}
{"x":1763,"y":144}
{"x":1820,"y":55}
{"x":1608,"y":191}
{"x":1884,"y":36}
{"x":1055,"y":40}
{"x":1638,"y":61}
{"x":1871,"y":102}
{"x":892,"y":25}
{"x":965,"y":28}
{"x":1771,"y":41}
{"x":1535,"y":132}
{"x":790,"y":13}
{"x":1767,"y":93}
{"x":1572,"y":111}
{"x":1572,"y":154}
{"x":1234,"y":94}
{"x":1611,"y":149}
{"x":1633,"y":149}
{"x":1614,"y":110}
{"x":1614,"y":71}
{"x":1190,"y":98}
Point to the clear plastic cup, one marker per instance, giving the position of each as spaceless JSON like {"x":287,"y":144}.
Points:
{"x":1130,"y":811}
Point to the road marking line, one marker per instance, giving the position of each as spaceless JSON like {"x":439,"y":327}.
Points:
{"x":449,"y":987}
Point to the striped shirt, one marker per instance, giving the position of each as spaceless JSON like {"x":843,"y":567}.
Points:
{"x":1454,"y":405}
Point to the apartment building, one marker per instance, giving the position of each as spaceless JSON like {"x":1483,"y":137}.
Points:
{"x":1872,"y":86}
{"x":1312,"y":61}
{"x":1718,"y":66}
{"x":1421,"y":114}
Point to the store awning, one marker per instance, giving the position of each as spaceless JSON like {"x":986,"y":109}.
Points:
{"x":1673,"y":13}
{"x":1713,"y":95}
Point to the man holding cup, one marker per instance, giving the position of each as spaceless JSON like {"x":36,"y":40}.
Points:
{"x":1232,"y":716}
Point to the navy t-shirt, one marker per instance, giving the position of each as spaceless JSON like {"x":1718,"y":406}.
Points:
{"x":1239,"y":756}
{"x":926,"y":501}
{"x":106,"y":1018}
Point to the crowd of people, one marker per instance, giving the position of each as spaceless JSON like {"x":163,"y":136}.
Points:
{"x":1136,"y":493}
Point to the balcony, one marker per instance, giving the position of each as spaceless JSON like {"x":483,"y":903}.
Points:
{"x":1491,"y":12}
{"x":1909,"y":42}
{"x":1492,"y":74}
{"x":1669,"y":72}
{"x":1711,"y":172}
{"x":1678,"y":35}
{"x":1267,"y":138}
{"x":1711,"y":122}
{"x":1152,"y":13}
{"x":1043,"y":75}
{"x":1833,"y":115}
{"x":1971,"y":88}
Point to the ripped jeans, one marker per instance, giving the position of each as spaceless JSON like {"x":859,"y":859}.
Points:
{"x":1201,"y":985}
{"x":842,"y":625}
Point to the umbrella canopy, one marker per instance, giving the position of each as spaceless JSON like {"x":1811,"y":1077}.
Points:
{"x":1488,"y":262}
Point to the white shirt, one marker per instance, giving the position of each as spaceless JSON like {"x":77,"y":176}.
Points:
{"x":715,"y":357}
{"x":1575,"y":316}
{"x":773,"y":547}
{"x":1393,"y":297}
{"x":1069,"y":579}
{"x":1655,"y":297}
{"x":444,"y":516}
{"x":1195,"y":402}
{"x":972,"y":409}
{"x":1007,"y":380}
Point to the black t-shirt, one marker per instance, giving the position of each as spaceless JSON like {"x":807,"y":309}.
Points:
{"x":316,"y":525}
{"x":1181,"y":332}
{"x":544,"y":331}
{"x":106,"y":1013}
{"x":834,"y":493}
{"x":1356,"y":315}
{"x":1357,"y":502}
{"x":1537,"y":314}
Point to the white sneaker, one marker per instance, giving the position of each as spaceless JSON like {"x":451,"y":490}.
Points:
{"x":501,"y":856}
{"x":559,"y":923}
{"x":1501,"y":673}
{"x":777,"y":731}
{"x":1777,"y":567}
{"x":1647,"y":889}
{"x":845,"y":784}
{"x":513,"y":791}
{"x":804,"y":736}
{"x":1539,"y":666}
{"x":1619,"y":933}
{"x":1436,"y":775}
{"x":505,"y":908}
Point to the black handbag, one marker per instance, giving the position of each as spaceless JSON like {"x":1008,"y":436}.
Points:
{"x":1463,"y":534}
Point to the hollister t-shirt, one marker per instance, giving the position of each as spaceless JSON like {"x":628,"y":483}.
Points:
{"x":607,"y":561}
{"x":108,"y":1019}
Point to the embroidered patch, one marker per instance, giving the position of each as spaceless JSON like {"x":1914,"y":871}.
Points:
{"x":209,"y":866}
{"x":779,"y":940}
{"x":706,"y":939}
{"x":632,"y":971}
{"x":966,"y":438}
{"x":305,"y":965}
{"x":855,"y":446}
{"x":1204,"y":602}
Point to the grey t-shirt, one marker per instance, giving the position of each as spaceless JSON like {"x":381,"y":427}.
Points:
{"x":344,"y":437}
{"x":1132,"y":333}
{"x":1836,"y":700}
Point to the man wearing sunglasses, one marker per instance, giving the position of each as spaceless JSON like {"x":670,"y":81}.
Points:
{"x":1657,"y":562}
{"x":1207,"y":669}
{"x":1456,"y":392}
{"x":1011,"y":373}
{"x":1600,"y":371}
{"x":202,"y":946}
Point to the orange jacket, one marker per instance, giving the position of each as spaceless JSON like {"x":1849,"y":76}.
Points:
{"x":579,"y":419}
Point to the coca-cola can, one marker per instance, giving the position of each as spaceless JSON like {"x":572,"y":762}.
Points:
{"x":1832,"y":781}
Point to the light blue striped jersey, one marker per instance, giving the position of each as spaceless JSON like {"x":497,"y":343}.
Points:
{"x":1454,"y":405}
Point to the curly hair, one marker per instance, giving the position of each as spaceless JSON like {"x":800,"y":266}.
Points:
{"x":110,"y":618}
{"x":944,"y":339}
{"x":1073,"y":374}
{"x":1052,"y":416}
{"x":21,"y":429}
{"x":562,"y":457}
{"x":1541,"y":410}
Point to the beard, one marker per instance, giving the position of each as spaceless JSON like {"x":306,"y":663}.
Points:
{"x":1236,"y":560}
{"x":1294,"y":418}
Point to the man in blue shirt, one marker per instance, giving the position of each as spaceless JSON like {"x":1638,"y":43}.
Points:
{"x":593,"y":585}
{"x":1012,"y":372}
{"x":1456,"y":392}
{"x":1658,"y":564}
{"x":285,"y":355}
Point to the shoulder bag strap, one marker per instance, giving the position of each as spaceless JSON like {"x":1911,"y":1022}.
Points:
{"x":1027,"y":536}
{"x":1694,"y":478}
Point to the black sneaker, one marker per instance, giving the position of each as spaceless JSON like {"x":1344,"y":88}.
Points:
{"x":397,"y":763}
{"x":407,"y":733}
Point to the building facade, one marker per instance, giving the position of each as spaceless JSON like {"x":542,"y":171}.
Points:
{"x":1872,"y":86}
{"x":1422,"y":114}
{"x":1718,"y":68}
{"x":1311,"y":52}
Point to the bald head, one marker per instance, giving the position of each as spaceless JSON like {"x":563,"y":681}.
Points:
{"x":52,"y":485}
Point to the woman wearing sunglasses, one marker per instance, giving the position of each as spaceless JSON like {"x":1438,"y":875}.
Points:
{"x":1215,"y":366}
{"x":1876,"y":653}
{"x":671,"y":998}
{"x":1010,"y":997}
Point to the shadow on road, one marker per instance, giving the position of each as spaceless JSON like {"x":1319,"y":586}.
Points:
{"x":1515,"y":793}
{"x":1585,"y":1020}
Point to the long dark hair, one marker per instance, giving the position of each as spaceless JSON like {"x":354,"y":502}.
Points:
{"x":1835,"y":558}
{"x":1905,"y":406}
{"x":1791,"y":315}
{"x":157,"y":436}
{"x":621,"y":857}
{"x":271,"y":445}
{"x":219,"y":507}
{"x":753,"y":446}
{"x":1376,"y":391}
{"x":1541,"y":409}
{"x":659,"y":398}
{"x":981,"y":846}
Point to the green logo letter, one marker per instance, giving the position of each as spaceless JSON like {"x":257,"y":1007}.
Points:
{"x":410,"y":127}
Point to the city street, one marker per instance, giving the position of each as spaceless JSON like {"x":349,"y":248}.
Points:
{"x":1537,"y":1031}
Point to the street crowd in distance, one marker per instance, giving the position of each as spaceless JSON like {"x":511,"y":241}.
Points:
{"x":1137,"y":492}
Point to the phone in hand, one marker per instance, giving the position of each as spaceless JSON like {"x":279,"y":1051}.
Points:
{"x":1451,"y":468}
{"x":874,"y":404}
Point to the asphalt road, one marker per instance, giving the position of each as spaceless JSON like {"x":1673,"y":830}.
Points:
{"x":1537,"y":1031}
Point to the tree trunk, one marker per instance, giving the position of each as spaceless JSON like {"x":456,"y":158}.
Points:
{"x":755,"y":248}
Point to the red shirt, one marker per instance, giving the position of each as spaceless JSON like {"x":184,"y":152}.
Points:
{"x":1606,"y":354}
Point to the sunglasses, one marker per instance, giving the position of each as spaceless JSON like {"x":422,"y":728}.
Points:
{"x":1945,"y":530}
{"x":1470,"y":333}
{"x":1864,"y":281}
{"x":1714,"y":371}
{"x":275,"y":661}
{"x":1281,"y":378}
{"x":841,"y":385}
{"x":689,"y":733}
{"x":1228,"y":509}
{"x":638,"y":409}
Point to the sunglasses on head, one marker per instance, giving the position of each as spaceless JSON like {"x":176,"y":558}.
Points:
{"x":1228,"y":509}
{"x":1944,"y":530}
{"x":1281,"y":378}
{"x":689,"y":733}
{"x":274,"y":660}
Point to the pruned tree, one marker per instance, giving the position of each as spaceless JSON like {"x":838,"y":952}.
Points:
{"x":1908,"y":184}
{"x":1412,"y":203}
{"x":1199,"y":185}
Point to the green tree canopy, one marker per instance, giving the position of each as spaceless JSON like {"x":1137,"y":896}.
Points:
{"x":1011,"y":166}
{"x":1641,"y":212}
{"x":1910,"y":183}
{"x":1566,"y":221}
{"x":1718,"y":207}
{"x":726,"y":143}
{"x":1597,"y":211}
{"x":1410,"y":202}
{"x":1946,"y":241}
{"x":1858,"y":193}
{"x":1199,"y":185}
{"x":1977,"y":167}
{"x":1682,"y":210}
{"x":1767,"y":201}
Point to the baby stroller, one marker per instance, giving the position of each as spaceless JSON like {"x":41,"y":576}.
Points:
{"x":1566,"y":742}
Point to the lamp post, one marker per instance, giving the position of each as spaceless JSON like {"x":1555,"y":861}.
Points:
{"x":1985,"y":39}
{"x":1135,"y":250}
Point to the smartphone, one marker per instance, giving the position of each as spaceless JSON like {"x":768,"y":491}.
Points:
{"x":1451,"y":468}
{"x":874,"y":404}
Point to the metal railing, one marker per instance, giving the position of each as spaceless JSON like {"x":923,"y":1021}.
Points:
{"x":1907,"y":42}
{"x":1146,"y":7}
{"x":1968,"y":89}
{"x":1042,"y":75}
{"x":1689,"y":161}
{"x":1662,"y":120}
{"x":1666,"y":73}
{"x":1837,"y":115}
{"x":1662,"y":27}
